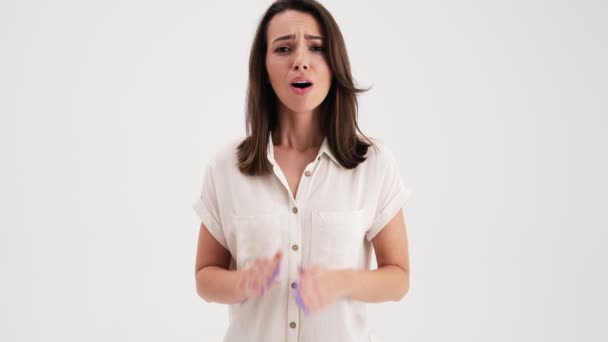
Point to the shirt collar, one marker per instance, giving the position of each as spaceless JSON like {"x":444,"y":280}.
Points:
{"x":325,"y":149}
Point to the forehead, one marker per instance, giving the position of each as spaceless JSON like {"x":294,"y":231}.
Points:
{"x":292,"y":22}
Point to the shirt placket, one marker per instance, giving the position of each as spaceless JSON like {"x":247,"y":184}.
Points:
{"x":296,"y":207}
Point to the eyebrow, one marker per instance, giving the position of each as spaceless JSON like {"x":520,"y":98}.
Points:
{"x":293,"y":36}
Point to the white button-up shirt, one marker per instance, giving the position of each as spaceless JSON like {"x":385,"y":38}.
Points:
{"x":332,"y":220}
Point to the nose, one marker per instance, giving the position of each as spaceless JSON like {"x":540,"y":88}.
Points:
{"x":301,"y":60}
{"x":297,"y":67}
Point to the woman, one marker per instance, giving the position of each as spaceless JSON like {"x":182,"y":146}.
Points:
{"x":290,"y":214}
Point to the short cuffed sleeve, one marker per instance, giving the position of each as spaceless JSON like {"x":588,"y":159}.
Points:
{"x":207,"y":207}
{"x":393,"y":194}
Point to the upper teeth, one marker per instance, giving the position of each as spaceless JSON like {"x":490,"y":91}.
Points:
{"x":301,"y":82}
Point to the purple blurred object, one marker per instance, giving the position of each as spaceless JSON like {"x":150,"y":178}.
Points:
{"x":299,"y":298}
{"x":274,"y":274}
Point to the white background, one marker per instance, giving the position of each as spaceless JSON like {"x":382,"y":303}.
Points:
{"x":109,"y":111}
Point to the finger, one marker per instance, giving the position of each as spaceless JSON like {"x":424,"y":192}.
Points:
{"x":278,"y":255}
{"x":272,"y":267}
{"x":319,"y":293}
{"x":252,"y":287}
{"x":308,"y":295}
{"x":261,"y":278}
{"x":314,"y":294}
{"x":265,"y":271}
{"x":257,"y":274}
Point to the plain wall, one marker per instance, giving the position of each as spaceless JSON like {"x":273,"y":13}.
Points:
{"x":109,"y":110}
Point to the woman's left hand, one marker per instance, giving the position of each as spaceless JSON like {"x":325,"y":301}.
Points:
{"x":318,"y":288}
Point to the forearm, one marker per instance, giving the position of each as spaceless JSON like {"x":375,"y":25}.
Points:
{"x":219,"y":285}
{"x":387,"y":283}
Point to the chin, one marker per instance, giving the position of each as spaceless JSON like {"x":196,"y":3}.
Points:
{"x":301,"y":106}
{"x":302,"y":109}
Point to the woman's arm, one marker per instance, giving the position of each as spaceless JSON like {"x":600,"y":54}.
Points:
{"x":391,"y":281}
{"x":214,"y":282}
{"x":218,"y":285}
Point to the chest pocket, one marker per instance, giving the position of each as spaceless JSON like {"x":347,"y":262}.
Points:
{"x":256,"y":236}
{"x":337,"y":238}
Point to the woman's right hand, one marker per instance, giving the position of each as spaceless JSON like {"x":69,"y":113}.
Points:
{"x":260,"y":276}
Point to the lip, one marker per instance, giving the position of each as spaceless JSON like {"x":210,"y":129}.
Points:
{"x":301,"y":91}
{"x":299,"y":78}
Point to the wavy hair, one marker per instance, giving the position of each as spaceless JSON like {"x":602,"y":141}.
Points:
{"x":338,"y":111}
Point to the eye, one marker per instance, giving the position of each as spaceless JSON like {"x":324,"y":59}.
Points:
{"x":282,"y":49}
{"x":318,"y":48}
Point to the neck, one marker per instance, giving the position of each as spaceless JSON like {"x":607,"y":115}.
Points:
{"x":298,"y":131}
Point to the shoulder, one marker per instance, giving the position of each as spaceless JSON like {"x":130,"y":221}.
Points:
{"x":381,"y":153}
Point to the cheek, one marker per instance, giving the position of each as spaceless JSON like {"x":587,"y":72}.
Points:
{"x":270,"y":69}
{"x":325,"y":70}
{"x":274,"y":65}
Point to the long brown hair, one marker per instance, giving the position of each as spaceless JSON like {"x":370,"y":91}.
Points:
{"x":338,"y":112}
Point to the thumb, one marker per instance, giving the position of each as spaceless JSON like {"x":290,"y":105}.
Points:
{"x":278,"y":255}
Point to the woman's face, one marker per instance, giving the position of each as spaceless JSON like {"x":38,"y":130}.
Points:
{"x":296,"y":62}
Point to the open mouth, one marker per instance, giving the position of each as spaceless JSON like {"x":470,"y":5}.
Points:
{"x":301,"y":85}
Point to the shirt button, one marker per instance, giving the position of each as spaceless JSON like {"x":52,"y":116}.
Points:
{"x":292,"y":324}
{"x":293,"y":285}
{"x":294,"y":210}
{"x":307,"y":173}
{"x":294,"y":247}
